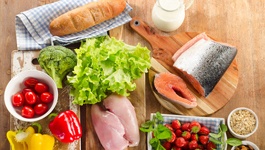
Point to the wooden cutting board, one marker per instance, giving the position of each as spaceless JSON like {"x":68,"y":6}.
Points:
{"x":26,"y":60}
{"x":163,"y":48}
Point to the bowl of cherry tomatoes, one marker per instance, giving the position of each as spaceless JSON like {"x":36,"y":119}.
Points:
{"x":31,"y":95}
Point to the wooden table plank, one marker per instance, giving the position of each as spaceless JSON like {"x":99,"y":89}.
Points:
{"x":238,"y":22}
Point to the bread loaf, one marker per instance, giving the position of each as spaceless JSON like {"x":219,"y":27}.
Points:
{"x":86,"y":16}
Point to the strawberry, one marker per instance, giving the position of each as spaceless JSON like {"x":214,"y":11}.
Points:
{"x":185,"y":126}
{"x":169,"y":126}
{"x":194,"y":136}
{"x":176,"y":148}
{"x":180,"y":142}
{"x":186,"y":145}
{"x":173,"y":137}
{"x":178,"y":132}
{"x":176,"y":124}
{"x":193,"y":144}
{"x":210,"y":146}
{"x":186,"y":135}
{"x":195,"y":126}
{"x":167,"y":145}
{"x":204,"y":139}
{"x":204,"y":131}
{"x":200,"y":147}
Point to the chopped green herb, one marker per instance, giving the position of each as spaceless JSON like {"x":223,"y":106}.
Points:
{"x":158,"y":130}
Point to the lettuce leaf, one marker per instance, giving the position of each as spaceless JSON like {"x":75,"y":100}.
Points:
{"x":104,"y":66}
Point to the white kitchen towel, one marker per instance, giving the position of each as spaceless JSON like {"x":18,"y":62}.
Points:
{"x":32,"y":26}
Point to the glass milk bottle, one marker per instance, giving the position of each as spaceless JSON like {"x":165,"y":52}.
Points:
{"x":168,"y":15}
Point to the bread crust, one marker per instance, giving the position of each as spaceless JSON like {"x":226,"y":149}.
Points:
{"x":86,"y":16}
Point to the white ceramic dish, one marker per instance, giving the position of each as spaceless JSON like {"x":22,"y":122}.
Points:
{"x":16,"y":84}
{"x":248,"y":143}
{"x":210,"y":122}
{"x":239,"y":136}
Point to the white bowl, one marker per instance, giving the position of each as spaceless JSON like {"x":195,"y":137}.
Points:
{"x":237,"y":135}
{"x":210,"y":122}
{"x":16,"y":84}
{"x":247,"y":143}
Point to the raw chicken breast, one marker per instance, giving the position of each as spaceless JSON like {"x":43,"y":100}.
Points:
{"x":109,"y":129}
{"x":124,"y":110}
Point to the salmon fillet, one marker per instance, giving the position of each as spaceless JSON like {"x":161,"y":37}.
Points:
{"x":174,"y":89}
{"x":203,"y":62}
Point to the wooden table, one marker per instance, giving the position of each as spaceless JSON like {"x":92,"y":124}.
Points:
{"x":239,"y":22}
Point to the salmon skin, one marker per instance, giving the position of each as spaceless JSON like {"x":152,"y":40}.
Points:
{"x":174,"y":89}
{"x":203,"y":62}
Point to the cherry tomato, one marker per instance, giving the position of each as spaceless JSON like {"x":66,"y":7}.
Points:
{"x":46,"y":97}
{"x":30,"y":82}
{"x":41,"y":87}
{"x":27,"y":90}
{"x":38,"y":101}
{"x":40,"y":109}
{"x":30,"y":98}
{"x":27,"y":112}
{"x":18,"y":99}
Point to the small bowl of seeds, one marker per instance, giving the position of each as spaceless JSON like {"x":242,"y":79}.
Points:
{"x":246,"y":145}
{"x":242,"y":122}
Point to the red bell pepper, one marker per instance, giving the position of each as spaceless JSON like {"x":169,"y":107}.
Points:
{"x":66,"y":127}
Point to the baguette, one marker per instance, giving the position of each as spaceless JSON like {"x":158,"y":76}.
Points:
{"x":86,"y":16}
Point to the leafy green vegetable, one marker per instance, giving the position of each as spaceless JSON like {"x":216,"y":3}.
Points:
{"x":57,"y":61}
{"x":214,"y":137}
{"x":106,"y":65}
{"x":159,"y":131}
{"x":233,"y":141}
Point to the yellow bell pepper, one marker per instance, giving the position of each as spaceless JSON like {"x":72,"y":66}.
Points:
{"x":14,"y":144}
{"x":41,"y":142}
{"x":30,"y":140}
{"x":30,"y":130}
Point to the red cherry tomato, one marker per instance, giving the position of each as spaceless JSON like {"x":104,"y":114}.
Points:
{"x":41,"y":87}
{"x":46,"y":97}
{"x":40,"y":109}
{"x":38,"y":101}
{"x":25,"y":90}
{"x":18,"y":99}
{"x":30,"y":82}
{"x":30,"y":98}
{"x":27,"y":112}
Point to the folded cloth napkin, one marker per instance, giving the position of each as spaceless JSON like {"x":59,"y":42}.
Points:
{"x":32,"y":26}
